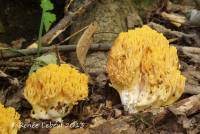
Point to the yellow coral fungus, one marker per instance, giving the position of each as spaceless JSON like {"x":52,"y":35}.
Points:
{"x":144,"y":69}
{"x":53,"y":90}
{"x":9,"y":120}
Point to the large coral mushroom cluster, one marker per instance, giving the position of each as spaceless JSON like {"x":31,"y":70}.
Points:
{"x":9,"y":120}
{"x":53,"y":90}
{"x":144,"y":69}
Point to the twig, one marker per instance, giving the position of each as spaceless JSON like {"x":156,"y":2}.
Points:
{"x":166,"y":31}
{"x":194,"y":54}
{"x":32,"y":51}
{"x":72,"y":35}
{"x":193,"y":50}
{"x":68,"y":5}
{"x":14,"y":64}
{"x":57,"y":55}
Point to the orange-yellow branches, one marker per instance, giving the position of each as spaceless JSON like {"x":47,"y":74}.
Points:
{"x":144,"y":69}
{"x":9,"y":120}
{"x":53,"y":90}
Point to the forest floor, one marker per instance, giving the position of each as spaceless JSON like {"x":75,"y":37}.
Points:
{"x":102,"y":112}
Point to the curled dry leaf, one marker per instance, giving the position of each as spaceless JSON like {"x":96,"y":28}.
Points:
{"x":84,"y":43}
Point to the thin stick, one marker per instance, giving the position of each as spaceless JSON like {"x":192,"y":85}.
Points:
{"x":72,"y":35}
{"x":67,"y":7}
{"x":14,"y":64}
{"x":33,"y":51}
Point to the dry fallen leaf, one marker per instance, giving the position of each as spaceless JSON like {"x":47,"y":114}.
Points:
{"x":84,"y":43}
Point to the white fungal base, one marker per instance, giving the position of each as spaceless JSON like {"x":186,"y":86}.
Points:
{"x":136,"y":99}
{"x":55,"y":113}
{"x":129,"y":98}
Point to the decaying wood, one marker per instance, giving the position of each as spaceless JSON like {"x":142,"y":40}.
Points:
{"x":192,"y":89}
{"x":194,"y":54}
{"x":175,"y":19}
{"x":64,"y":23}
{"x":193,"y":50}
{"x":192,"y":75}
{"x":177,"y":34}
{"x":186,"y":106}
{"x":166,"y":31}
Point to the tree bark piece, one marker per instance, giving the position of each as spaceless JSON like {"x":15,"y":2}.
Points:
{"x":186,"y":106}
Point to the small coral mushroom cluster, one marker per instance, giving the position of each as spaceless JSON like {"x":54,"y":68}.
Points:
{"x":54,"y":89}
{"x":144,"y":69}
{"x":9,"y":120}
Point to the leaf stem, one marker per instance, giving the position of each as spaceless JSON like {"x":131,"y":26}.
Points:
{"x":40,"y":34}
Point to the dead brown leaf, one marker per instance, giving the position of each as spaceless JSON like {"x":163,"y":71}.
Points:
{"x":84,"y":44}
